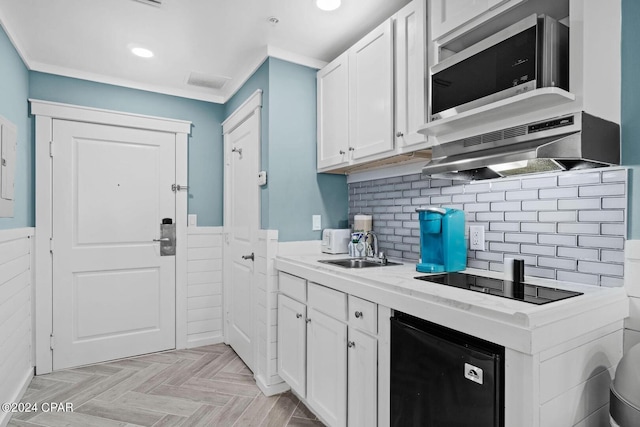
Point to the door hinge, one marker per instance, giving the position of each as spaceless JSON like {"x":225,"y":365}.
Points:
{"x":178,"y":187}
{"x":52,"y":341}
{"x":51,"y":244}
{"x":50,"y":148}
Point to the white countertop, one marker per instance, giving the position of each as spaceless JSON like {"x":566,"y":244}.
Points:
{"x":518,"y":325}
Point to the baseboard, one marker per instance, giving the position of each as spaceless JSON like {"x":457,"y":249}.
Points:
{"x":270,"y":390}
{"x":5,"y":417}
{"x":205,"y":341}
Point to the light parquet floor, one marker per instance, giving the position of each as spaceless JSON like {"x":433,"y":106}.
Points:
{"x":204,"y":386}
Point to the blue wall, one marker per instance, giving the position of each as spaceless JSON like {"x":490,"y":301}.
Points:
{"x":297,"y":191}
{"x":294,"y":191}
{"x":205,"y":142}
{"x":631,"y":109}
{"x":14,"y":91}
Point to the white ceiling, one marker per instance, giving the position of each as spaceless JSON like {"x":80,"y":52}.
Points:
{"x":89,"y":39}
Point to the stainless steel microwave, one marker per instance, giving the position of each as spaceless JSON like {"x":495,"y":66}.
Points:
{"x":530,"y":54}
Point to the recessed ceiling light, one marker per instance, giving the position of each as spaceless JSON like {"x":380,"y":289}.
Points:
{"x":328,"y":4}
{"x":141,"y":52}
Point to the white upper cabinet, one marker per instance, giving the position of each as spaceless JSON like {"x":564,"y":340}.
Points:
{"x":411,"y":64}
{"x":371,"y":93}
{"x":333,"y":113}
{"x":447,"y":16}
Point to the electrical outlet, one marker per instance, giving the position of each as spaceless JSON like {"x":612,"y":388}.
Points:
{"x":476,"y":237}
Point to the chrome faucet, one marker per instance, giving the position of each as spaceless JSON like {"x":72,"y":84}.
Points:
{"x":376,"y":256}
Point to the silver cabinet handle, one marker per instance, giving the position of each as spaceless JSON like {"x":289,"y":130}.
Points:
{"x":298,"y":315}
{"x":248,"y":256}
{"x":399,"y":134}
{"x":342,"y":152}
{"x":358,"y":314}
{"x":351,"y":344}
{"x":163,"y":239}
{"x":351,"y":149}
{"x":237,"y":150}
{"x":308,"y":320}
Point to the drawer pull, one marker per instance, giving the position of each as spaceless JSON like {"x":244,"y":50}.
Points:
{"x":298,"y":315}
{"x":308,"y":320}
{"x":351,"y":344}
{"x":358,"y":314}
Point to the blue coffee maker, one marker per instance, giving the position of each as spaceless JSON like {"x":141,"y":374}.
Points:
{"x":443,"y":247}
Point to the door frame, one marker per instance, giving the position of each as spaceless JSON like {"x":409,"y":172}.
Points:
{"x":253,"y":105}
{"x":45,"y":112}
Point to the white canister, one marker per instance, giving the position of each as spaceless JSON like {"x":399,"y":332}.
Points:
{"x":363,"y":223}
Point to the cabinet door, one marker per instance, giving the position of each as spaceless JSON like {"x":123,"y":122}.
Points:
{"x":363,"y":379}
{"x":327,"y":367}
{"x":291,"y":343}
{"x":371,"y":93}
{"x":411,"y":56}
{"x":333,"y":113}
{"x":447,"y":15}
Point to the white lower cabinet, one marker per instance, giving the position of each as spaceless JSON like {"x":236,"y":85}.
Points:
{"x":327,"y":367}
{"x":363,"y":379}
{"x":328,"y":351}
{"x":292,"y":332}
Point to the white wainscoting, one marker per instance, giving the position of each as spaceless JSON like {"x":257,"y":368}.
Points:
{"x":632,"y":285}
{"x":204,"y":286}
{"x":16,"y":315}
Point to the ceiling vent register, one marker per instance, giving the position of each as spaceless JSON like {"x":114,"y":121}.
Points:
{"x":207,"y":80}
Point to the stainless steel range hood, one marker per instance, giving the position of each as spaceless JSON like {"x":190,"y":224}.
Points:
{"x":573,"y":141}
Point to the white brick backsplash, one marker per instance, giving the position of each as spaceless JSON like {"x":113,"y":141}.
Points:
{"x":578,"y":253}
{"x":506,"y":206}
{"x":504,"y":226}
{"x":551,"y":181}
{"x":559,"y":193}
{"x":540,"y":205}
{"x":601,"y":242}
{"x":521,"y":237}
{"x":557,"y":216}
{"x":538,"y":227}
{"x":521,"y":216}
{"x":612,"y":282}
{"x":614,"y":203}
{"x":561,"y":263}
{"x":579,"y":178}
{"x":579,"y":204}
{"x":567,"y":226}
{"x":601,"y":190}
{"x":538,"y":250}
{"x":608,"y":269}
{"x":619,"y":175}
{"x":601,"y":216}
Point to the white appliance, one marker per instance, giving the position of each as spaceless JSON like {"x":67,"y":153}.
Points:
{"x":336,"y":240}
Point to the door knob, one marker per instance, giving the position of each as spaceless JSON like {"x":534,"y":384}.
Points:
{"x":248,"y":256}
{"x":358,"y":314}
{"x":399,"y":134}
{"x":351,"y":344}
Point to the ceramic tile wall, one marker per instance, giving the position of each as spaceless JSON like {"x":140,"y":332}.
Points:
{"x":569,"y":226}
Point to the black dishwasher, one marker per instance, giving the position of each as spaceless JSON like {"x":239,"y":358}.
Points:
{"x":444,"y":378}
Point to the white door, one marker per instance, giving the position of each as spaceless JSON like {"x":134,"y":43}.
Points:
{"x":113,"y":294}
{"x":363,"y":379}
{"x":242,"y":150}
{"x":292,"y":333}
{"x":327,"y":367}
{"x":333,"y":113}
{"x":371,"y":93}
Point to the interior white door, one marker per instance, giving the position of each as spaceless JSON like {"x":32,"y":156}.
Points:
{"x":242,"y":148}
{"x":113,"y":294}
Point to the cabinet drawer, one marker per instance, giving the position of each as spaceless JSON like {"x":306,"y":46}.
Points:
{"x":328,"y":301}
{"x":293,"y":286}
{"x":363,"y":314}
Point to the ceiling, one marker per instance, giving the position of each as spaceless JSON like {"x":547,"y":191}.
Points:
{"x":90,"y":39}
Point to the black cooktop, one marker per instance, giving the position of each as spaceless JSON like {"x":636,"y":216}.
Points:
{"x":526,"y":292}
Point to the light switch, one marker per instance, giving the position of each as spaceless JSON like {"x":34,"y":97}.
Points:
{"x":262,"y":178}
{"x":192,"y":220}
{"x":317,"y":222}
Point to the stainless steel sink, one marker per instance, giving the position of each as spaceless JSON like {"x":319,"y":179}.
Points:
{"x":356,"y":263}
